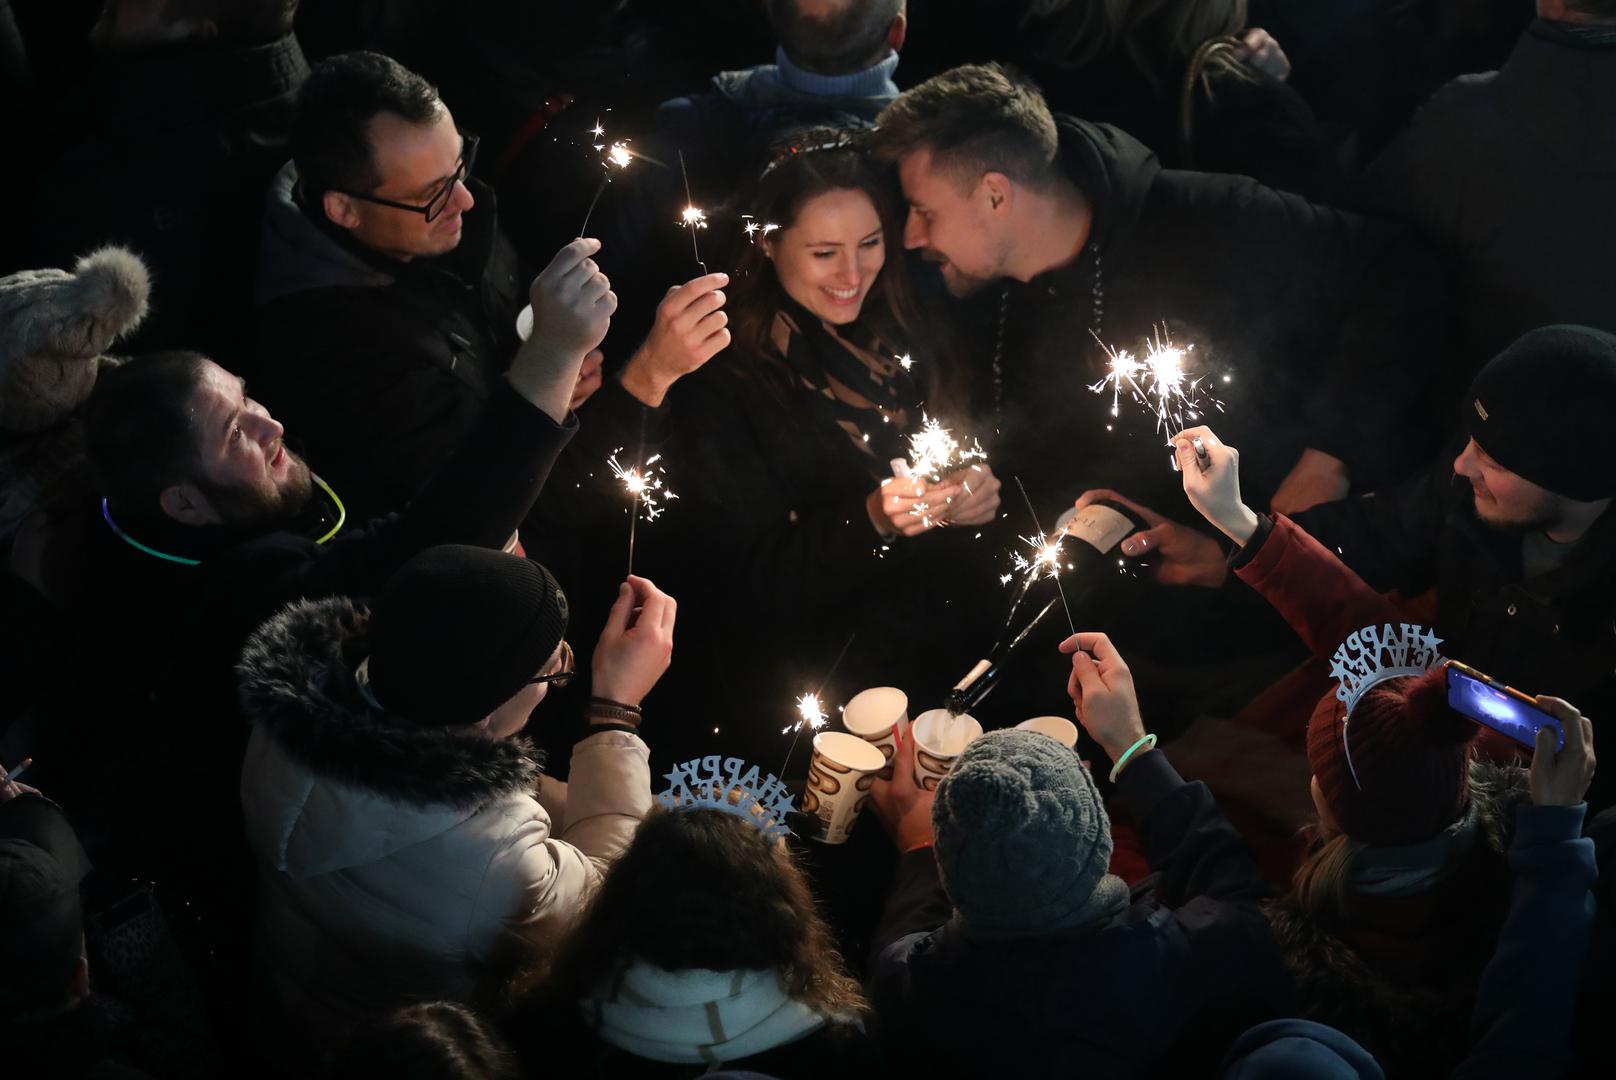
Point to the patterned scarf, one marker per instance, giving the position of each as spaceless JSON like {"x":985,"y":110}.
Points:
{"x":854,"y":381}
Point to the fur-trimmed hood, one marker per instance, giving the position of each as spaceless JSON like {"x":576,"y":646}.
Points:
{"x":354,"y":765}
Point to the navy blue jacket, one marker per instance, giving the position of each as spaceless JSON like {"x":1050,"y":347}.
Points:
{"x":1161,"y":989}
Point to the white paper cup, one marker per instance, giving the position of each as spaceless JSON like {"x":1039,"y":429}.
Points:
{"x":524,"y":323}
{"x":939,"y":739}
{"x":877,"y":715}
{"x":840,"y":775}
{"x":1058,"y":728}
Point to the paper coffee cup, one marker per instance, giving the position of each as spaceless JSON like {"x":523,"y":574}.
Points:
{"x":524,"y":323}
{"x":877,"y":716}
{"x":840,"y":775}
{"x":1058,"y":728}
{"x":939,"y":739}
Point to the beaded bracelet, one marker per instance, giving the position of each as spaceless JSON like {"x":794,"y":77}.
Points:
{"x":1147,"y":741}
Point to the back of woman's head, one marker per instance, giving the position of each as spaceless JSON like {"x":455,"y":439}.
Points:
{"x":435,"y":1041}
{"x":704,"y":889}
{"x":1395,"y":770}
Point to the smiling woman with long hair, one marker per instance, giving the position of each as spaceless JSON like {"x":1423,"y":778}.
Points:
{"x":783,"y":445}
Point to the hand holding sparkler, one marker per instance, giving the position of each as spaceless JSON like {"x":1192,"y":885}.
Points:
{"x":690,"y":329}
{"x":1213,"y":488}
{"x":909,"y":506}
{"x":978,"y":503}
{"x":633,"y":652}
{"x":1102,"y":693}
{"x":1188,"y":556}
{"x":572,"y":309}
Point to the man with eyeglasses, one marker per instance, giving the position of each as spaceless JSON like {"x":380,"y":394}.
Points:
{"x":387,"y":293}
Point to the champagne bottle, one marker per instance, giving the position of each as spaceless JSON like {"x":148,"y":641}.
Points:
{"x":1098,"y":529}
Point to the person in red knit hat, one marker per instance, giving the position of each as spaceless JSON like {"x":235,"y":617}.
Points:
{"x":1392,"y":915}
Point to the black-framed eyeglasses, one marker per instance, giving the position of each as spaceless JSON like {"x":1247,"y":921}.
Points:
{"x":562,"y":675}
{"x":440,"y":198}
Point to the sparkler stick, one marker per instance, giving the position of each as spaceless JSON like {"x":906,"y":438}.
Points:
{"x":1044,"y":537}
{"x":645,"y":486}
{"x":692,"y":217}
{"x":618,"y":156}
{"x":809,"y":709}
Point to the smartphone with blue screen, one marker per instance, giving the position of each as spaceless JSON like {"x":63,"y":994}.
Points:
{"x":1503,"y":708}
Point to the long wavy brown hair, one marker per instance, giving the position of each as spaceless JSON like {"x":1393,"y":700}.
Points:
{"x":702,"y":889}
{"x":812,"y":163}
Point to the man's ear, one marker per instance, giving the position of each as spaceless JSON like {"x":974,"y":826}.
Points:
{"x":340,"y":209}
{"x":898,"y":31}
{"x":998,"y":192}
{"x":186,"y":504}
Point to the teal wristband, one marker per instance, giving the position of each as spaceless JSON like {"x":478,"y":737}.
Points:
{"x":1147,"y":741}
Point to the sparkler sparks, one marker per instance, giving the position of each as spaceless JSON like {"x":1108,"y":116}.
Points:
{"x":933,"y":450}
{"x":1161,"y":382}
{"x":752,"y":227}
{"x":645,"y":486}
{"x":644,"y":483}
{"x":811,"y":712}
{"x":905,"y":362}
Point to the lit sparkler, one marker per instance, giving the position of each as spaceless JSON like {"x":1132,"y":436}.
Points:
{"x":692,"y":217}
{"x":933,"y":450}
{"x":616,"y":156}
{"x":811,"y":714}
{"x":646,"y":487}
{"x":905,"y":362}
{"x":1161,"y":382}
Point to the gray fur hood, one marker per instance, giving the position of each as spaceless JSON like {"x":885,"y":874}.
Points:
{"x":331,"y":761}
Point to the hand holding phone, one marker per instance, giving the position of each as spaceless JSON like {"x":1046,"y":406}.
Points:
{"x":1503,"y":708}
{"x":1562,"y":778}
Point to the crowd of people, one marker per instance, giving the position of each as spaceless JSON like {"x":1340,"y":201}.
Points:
{"x":328,"y":446}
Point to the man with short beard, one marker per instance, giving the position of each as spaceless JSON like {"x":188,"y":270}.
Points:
{"x":1515,"y":534}
{"x":208,"y":522}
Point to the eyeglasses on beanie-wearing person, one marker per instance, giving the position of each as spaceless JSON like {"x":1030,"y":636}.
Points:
{"x":1407,"y":866}
{"x":1004,"y":921}
{"x":703,"y":947}
{"x":410,"y":848}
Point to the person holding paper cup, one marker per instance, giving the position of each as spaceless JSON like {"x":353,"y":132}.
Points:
{"x":1003,"y":906}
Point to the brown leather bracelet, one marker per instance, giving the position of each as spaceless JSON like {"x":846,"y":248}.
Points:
{"x":614,"y":711}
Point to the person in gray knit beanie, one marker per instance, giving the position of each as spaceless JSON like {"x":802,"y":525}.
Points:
{"x":1023,"y":840}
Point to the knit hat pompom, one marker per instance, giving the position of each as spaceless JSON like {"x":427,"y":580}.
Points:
{"x":1023,"y":840}
{"x":1396,"y":771}
{"x":54,"y":326}
{"x":994,"y":794}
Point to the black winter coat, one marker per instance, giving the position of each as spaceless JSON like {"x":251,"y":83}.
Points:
{"x":1327,"y":325}
{"x":1554,"y":633}
{"x":380,"y":367}
{"x":1509,"y":174}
